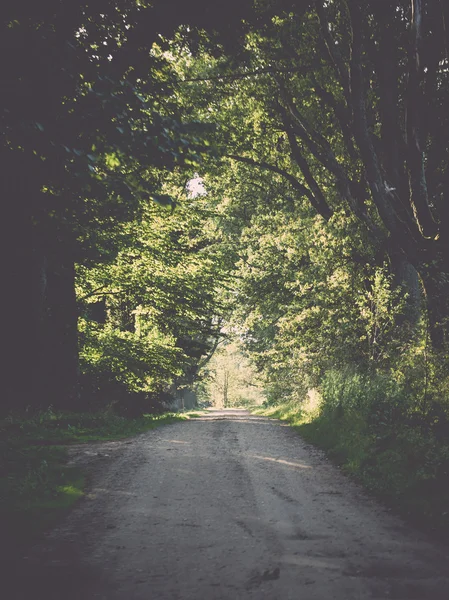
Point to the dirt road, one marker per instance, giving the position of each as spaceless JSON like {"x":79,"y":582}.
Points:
{"x":227,"y":507}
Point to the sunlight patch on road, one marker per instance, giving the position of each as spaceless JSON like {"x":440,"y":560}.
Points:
{"x":237,"y":419}
{"x":178,"y":442}
{"x":281,"y":461}
{"x":96,"y":491}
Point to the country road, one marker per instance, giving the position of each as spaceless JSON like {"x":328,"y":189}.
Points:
{"x":227,"y":507}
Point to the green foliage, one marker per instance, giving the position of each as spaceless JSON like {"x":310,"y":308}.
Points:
{"x":158,"y":299}
{"x":67,"y":427}
{"x":229,"y":379}
{"x":137,"y":364}
{"x":290,"y":411}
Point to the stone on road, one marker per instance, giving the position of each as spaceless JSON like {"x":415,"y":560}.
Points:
{"x":228,"y":506}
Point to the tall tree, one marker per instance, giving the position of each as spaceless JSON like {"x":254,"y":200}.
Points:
{"x":346,"y":101}
{"x":85,"y":115}
{"x":149,"y":317}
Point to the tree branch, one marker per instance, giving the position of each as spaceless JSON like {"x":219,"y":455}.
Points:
{"x":322,"y":151}
{"x":323,"y":209}
{"x":342,"y":115}
{"x":333,"y":51}
{"x":385,"y":59}
{"x":362,"y":135}
{"x":415,"y":143}
{"x":94,"y":292}
{"x":317,"y":198}
{"x":445,"y":16}
{"x":220,"y":337}
{"x":237,"y":76}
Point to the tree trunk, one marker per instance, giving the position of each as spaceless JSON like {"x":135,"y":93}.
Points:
{"x":225,"y":388}
{"x":406,"y":277}
{"x":58,"y":365}
{"x":18,"y":328}
{"x":436,"y":288}
{"x":39,"y":322}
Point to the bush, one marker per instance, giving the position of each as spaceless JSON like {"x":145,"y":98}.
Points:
{"x":394,"y":442}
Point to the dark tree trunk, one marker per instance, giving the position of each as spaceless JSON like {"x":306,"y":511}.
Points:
{"x":39,"y":317}
{"x":18,"y":325}
{"x":18,"y":328}
{"x":436,"y":288}
{"x":406,"y":277}
{"x":58,"y":365}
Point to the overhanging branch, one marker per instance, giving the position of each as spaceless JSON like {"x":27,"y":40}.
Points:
{"x":415,"y":143}
{"x":319,"y":203}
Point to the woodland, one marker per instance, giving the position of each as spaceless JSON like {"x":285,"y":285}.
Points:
{"x":176,"y":171}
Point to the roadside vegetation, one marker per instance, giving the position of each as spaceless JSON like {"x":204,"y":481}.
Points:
{"x":37,"y":486}
{"x":370,"y":427}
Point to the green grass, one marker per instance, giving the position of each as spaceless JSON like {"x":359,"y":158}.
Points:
{"x":67,"y":428}
{"x":36,"y":485}
{"x":195,"y":414}
{"x":287,"y":411}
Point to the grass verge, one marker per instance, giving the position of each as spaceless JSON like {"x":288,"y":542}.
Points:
{"x":36,"y":485}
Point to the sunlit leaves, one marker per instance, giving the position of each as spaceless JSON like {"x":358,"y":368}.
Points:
{"x":161,"y":297}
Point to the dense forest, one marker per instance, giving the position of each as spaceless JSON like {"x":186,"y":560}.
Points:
{"x":173,"y":172}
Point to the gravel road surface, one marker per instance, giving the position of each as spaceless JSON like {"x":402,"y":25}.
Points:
{"x":227,"y":507}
